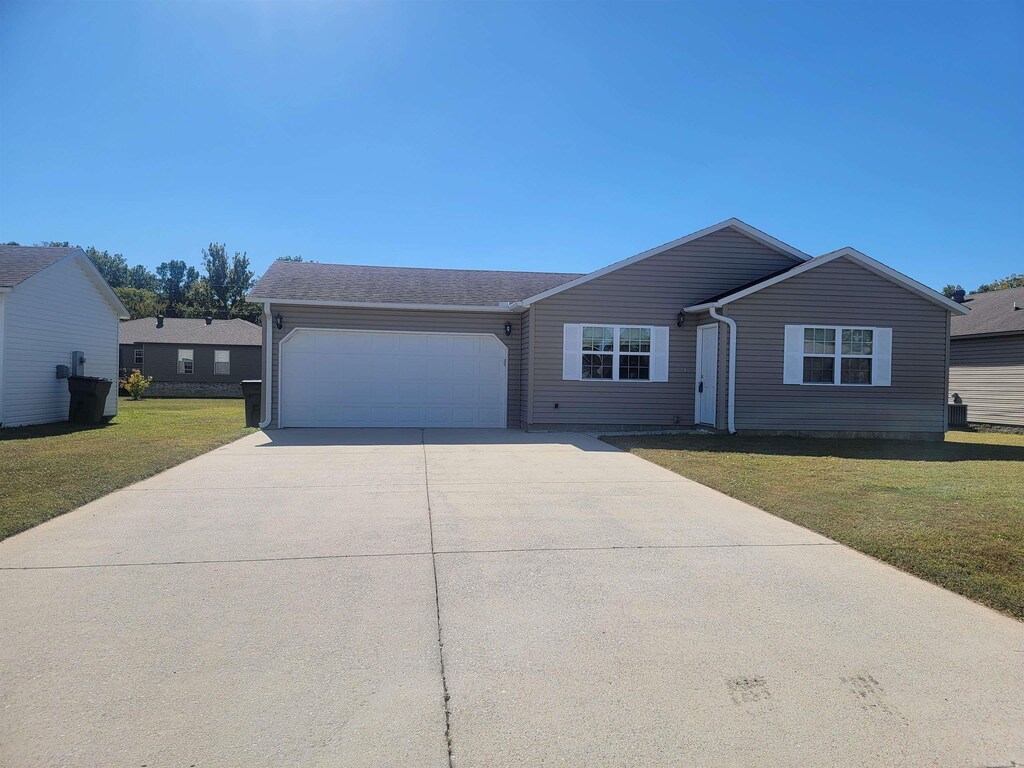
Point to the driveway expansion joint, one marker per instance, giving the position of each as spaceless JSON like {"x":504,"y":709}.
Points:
{"x":437,"y":606}
{"x":432,"y":553}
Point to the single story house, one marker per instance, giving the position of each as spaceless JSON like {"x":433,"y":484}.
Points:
{"x":192,"y":357}
{"x":53,"y":303}
{"x":727,"y":328}
{"x":986,"y":370}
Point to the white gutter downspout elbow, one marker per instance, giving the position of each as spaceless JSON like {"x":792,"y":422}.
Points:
{"x":713,"y":311}
{"x":268,"y":381}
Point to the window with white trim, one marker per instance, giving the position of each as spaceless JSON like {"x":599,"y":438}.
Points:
{"x":615,"y":352}
{"x":138,"y":355}
{"x":836,"y":355}
{"x":221,"y":362}
{"x":186,"y":363}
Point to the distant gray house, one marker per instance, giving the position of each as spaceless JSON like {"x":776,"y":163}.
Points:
{"x":727,"y":328}
{"x":192,"y":357}
{"x":987,"y":357}
{"x":53,"y":302}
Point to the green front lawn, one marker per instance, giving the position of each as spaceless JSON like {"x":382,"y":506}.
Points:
{"x":950,"y":512}
{"x":50,"y":469}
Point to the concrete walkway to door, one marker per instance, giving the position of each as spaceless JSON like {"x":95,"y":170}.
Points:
{"x":312,"y":597}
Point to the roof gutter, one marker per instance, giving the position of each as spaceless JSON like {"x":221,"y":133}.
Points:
{"x":389,"y":305}
{"x":268,"y":366}
{"x":713,"y":311}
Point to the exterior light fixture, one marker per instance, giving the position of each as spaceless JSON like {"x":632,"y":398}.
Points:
{"x":680,"y":318}
{"x":508,"y":328}
{"x":278,"y":321}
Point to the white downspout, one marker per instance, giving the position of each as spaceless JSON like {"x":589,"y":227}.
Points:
{"x":732,"y":364}
{"x":268,"y":368}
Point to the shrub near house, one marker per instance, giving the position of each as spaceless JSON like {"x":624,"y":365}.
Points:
{"x":135,"y":384}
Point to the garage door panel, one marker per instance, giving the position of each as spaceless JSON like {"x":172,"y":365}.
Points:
{"x":492,"y":370}
{"x":443,"y":369}
{"x":386,"y":378}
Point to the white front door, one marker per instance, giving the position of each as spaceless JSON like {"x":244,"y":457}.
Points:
{"x":706,"y":398}
{"x":348,"y":378}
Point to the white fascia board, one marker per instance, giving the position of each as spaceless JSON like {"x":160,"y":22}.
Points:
{"x":746,"y":229}
{"x":383,"y":305}
{"x":851,"y":253}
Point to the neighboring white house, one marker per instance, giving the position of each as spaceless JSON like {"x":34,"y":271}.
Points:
{"x":53,"y":301}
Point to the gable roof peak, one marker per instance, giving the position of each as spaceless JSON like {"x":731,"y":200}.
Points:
{"x":741,"y":226}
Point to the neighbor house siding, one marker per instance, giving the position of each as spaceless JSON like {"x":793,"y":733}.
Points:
{"x":161,"y":362}
{"x":840,"y":293}
{"x":649,"y":292}
{"x":296,"y":316}
{"x":988,"y":374}
{"x":55,"y":312}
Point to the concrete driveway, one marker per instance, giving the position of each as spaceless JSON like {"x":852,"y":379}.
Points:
{"x":312,"y":598}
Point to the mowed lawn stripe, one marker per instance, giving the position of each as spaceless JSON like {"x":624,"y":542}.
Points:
{"x":951,"y":512}
{"x":50,"y":469}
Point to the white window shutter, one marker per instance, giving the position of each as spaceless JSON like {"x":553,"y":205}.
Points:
{"x":659,"y":353}
{"x":793,"y":369}
{"x":881,"y":364}
{"x":572,"y":352}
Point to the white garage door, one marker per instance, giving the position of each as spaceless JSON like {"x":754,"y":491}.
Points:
{"x":392,"y":379}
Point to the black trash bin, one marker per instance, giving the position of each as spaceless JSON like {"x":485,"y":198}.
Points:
{"x":88,"y":398}
{"x":252,"y":389}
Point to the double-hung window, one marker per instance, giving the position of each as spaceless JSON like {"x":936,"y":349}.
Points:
{"x":186,"y":363}
{"x":138,"y":355}
{"x":615,"y":352}
{"x":221,"y":362}
{"x":838,"y":355}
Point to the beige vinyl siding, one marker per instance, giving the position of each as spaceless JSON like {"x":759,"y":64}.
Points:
{"x":840,"y":293}
{"x":524,"y":367}
{"x":296,"y":316}
{"x":649,"y":292}
{"x":988,"y":374}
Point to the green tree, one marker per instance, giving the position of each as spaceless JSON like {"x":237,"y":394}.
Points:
{"x":248,"y":310}
{"x":1013,"y":280}
{"x":175,"y":279}
{"x":52,"y":244}
{"x":141,"y":277}
{"x":289,"y":258}
{"x":140,"y":302}
{"x":200,"y":301}
{"x":229,"y":280}
{"x":950,"y":289}
{"x":113,"y":267}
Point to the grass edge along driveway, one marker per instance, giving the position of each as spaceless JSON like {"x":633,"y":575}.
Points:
{"x":50,"y":469}
{"x":950,"y":512}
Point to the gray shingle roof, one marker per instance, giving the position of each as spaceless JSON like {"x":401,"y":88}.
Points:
{"x":187,"y":330}
{"x":991,"y":312}
{"x":307,"y":281}
{"x":19,"y":262}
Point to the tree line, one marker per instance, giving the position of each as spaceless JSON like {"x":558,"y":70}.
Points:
{"x":1013,"y":280}
{"x":176,"y":289}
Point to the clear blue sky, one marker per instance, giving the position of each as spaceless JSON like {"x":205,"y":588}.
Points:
{"x":541,"y":136}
